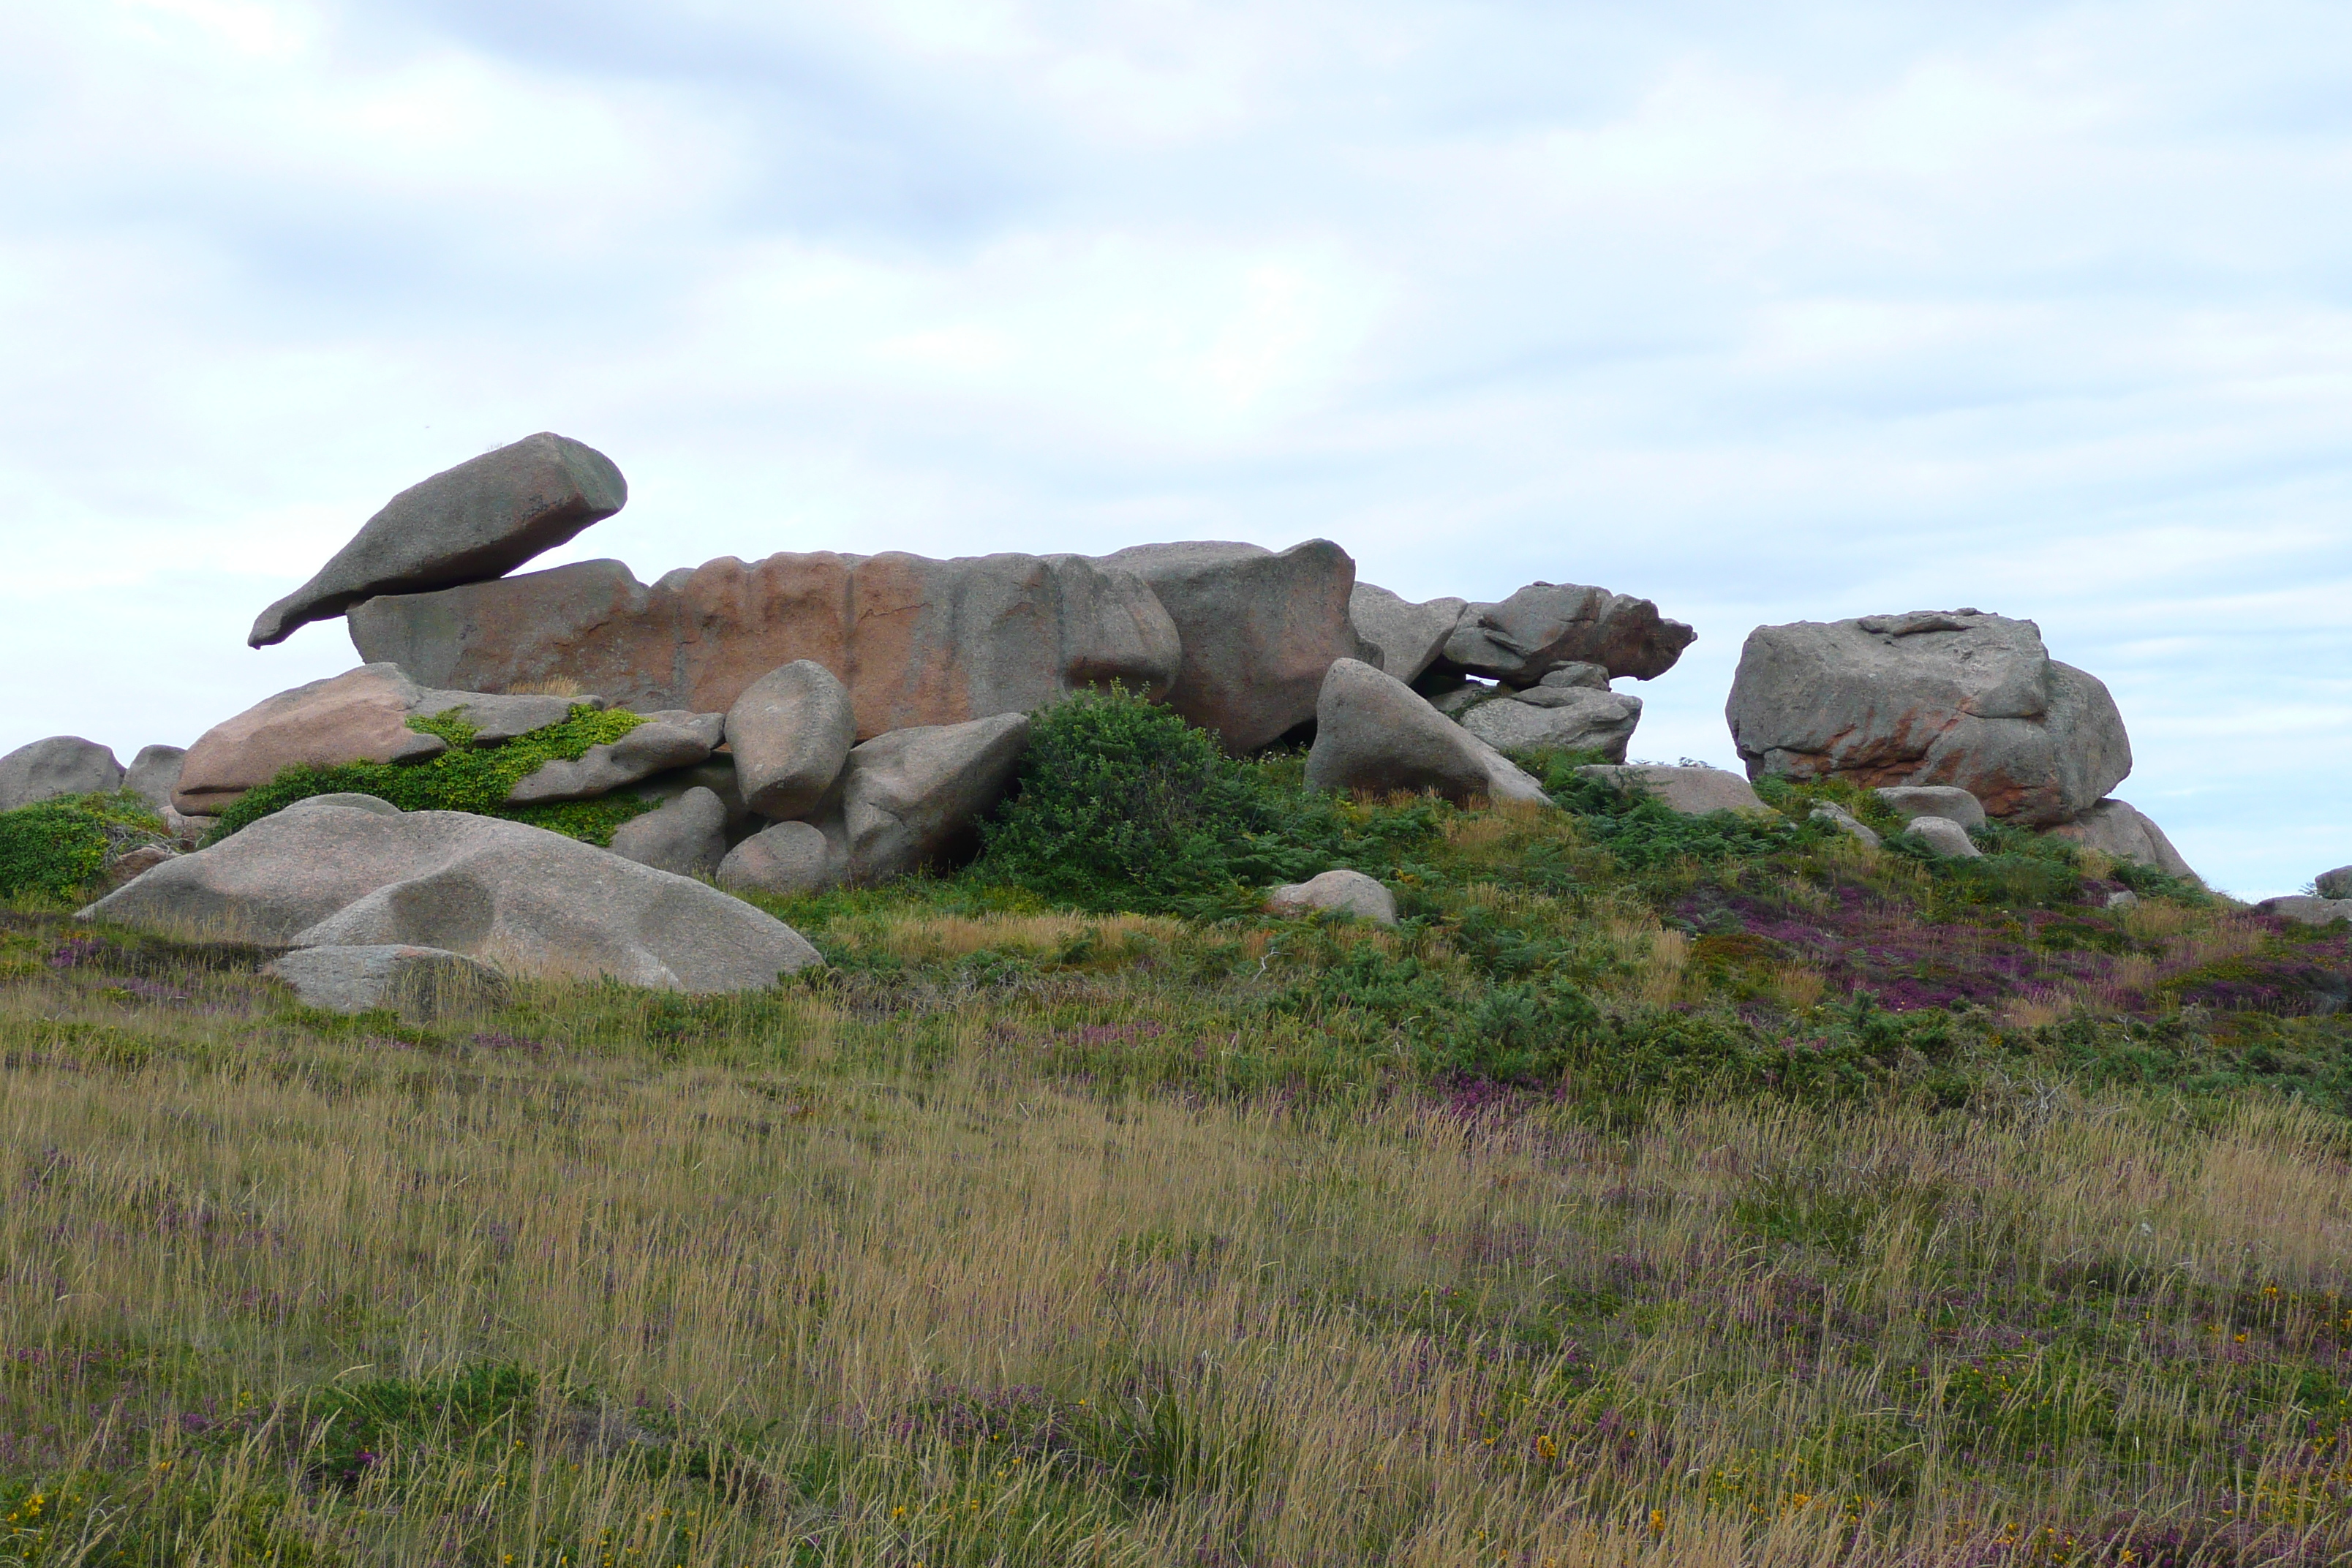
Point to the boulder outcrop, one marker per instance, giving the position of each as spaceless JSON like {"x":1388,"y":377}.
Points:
{"x":1932,"y":697}
{"x":1406,"y":637}
{"x":61,"y":764}
{"x":477,"y":521}
{"x":1257,"y":628}
{"x":1693,"y":790}
{"x":916,"y":641}
{"x":521,"y":898}
{"x":1558,"y":719}
{"x":1546,"y":625}
{"x":687,"y":836}
{"x":2303,"y":909}
{"x":2117,"y":828}
{"x":2335,"y":884}
{"x":1340,"y":891}
{"x":1373,"y":732}
{"x":914,"y":798}
{"x":790,"y":735}
{"x":153,"y":773}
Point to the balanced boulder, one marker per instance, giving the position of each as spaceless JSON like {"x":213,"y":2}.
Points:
{"x":477,"y":521}
{"x":1406,"y":637}
{"x":517,"y":897}
{"x":2117,"y":828}
{"x":62,"y":765}
{"x":1558,"y":719}
{"x":687,"y":836}
{"x":1373,"y":732}
{"x":1339,"y":892}
{"x":1956,"y":697}
{"x":790,"y":733}
{"x":916,"y":641}
{"x":420,"y":983}
{"x":1258,"y":629}
{"x":1547,"y":625}
{"x":1692,"y":791}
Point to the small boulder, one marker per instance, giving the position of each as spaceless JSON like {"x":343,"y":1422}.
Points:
{"x":1257,"y":629}
{"x":1545,"y":626}
{"x":783,"y":861}
{"x":1373,"y":732}
{"x":420,"y":983}
{"x":476,"y":522}
{"x":2307,"y":911}
{"x":1693,"y":790}
{"x":1344,"y":892}
{"x":2335,"y":884}
{"x":716,"y":774}
{"x":1558,"y":719}
{"x":62,"y":765}
{"x":154,"y":774}
{"x":2117,"y":828}
{"x":791,"y":732}
{"x":1845,"y":822}
{"x":1944,"y":835}
{"x":687,"y":836}
{"x":667,"y":740}
{"x":2123,"y":899}
{"x":1406,"y":636}
{"x":1907,"y":801}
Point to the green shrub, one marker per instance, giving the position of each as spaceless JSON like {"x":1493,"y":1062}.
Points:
{"x":466,"y":777}
{"x":53,"y":847}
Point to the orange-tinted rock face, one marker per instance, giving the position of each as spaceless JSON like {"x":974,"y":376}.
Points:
{"x":359,"y":716}
{"x":916,"y":641}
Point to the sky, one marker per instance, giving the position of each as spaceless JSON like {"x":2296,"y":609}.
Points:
{"x":1789,"y":311}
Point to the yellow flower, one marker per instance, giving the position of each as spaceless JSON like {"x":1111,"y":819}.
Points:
{"x":1657,"y":1521}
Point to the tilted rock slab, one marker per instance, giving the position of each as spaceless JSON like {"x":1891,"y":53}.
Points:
{"x":1931,"y":698}
{"x":477,"y":521}
{"x":359,"y":716}
{"x":1258,"y":629}
{"x":61,"y":764}
{"x":1547,"y":625}
{"x":2122,"y":830}
{"x":1407,"y":637}
{"x":322,"y":874}
{"x":916,"y":641}
{"x":1559,"y":719}
{"x":667,"y":739}
{"x":1374,"y":732}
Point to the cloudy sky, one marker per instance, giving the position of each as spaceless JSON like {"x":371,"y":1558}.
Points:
{"x":1768,"y":312}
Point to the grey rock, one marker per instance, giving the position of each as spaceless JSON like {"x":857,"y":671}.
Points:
{"x":716,"y":774}
{"x":1258,"y":630}
{"x":1545,"y":626}
{"x":1846,"y":822}
{"x":420,"y":983}
{"x":788,"y":858}
{"x":154,"y":774}
{"x":1453,"y":704}
{"x":1374,"y":732}
{"x":790,"y":733}
{"x":517,"y":897}
{"x":663,"y":741}
{"x":1934,"y":698}
{"x":2307,"y":910}
{"x":1944,"y":835}
{"x":1406,"y":636}
{"x":62,"y":765}
{"x":2117,"y":828}
{"x":1907,"y":801}
{"x":687,"y":836}
{"x":2335,"y":884}
{"x":1566,"y":719}
{"x":496,"y":718}
{"x":1589,"y":676}
{"x":1341,"y":891}
{"x":343,"y":800}
{"x":1693,"y":790}
{"x":477,"y":521}
{"x":914,"y":798}
{"x":2123,"y":899}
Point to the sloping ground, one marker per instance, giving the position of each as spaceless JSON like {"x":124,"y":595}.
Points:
{"x":1661,"y":1190}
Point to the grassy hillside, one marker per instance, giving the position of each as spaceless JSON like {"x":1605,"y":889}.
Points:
{"x":1661,"y":1190}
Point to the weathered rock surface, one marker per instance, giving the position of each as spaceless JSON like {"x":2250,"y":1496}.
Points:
{"x":138,"y":858}
{"x":479,"y":520}
{"x":1845,"y":822}
{"x":1347,"y":892}
{"x":514,"y":895}
{"x":2120,"y":829}
{"x":1944,"y":835}
{"x":2335,"y":884}
{"x":1560,"y":718}
{"x":2307,"y":911}
{"x":359,"y":716}
{"x":1407,"y":637}
{"x":1587,"y":676}
{"x":1374,"y":732}
{"x":420,"y":983}
{"x":786,"y":859}
{"x":667,"y":740}
{"x":1907,"y":801}
{"x":790,"y":733}
{"x":1547,"y":625}
{"x":153,"y":773}
{"x":687,"y":836}
{"x":1693,"y":792}
{"x":1931,"y":698}
{"x":915,"y":797}
{"x":61,"y":764}
{"x":1460,"y":700}
{"x":916,"y":641}
{"x":1258,"y":629}
{"x":717,"y":776}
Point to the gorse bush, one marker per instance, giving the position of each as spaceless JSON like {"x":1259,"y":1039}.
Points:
{"x":58,"y":847}
{"x":466,"y":777}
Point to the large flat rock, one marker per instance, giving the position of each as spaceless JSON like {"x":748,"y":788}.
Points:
{"x":1375,"y":733}
{"x":523,"y":899}
{"x":479,"y":520}
{"x":916,"y":641}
